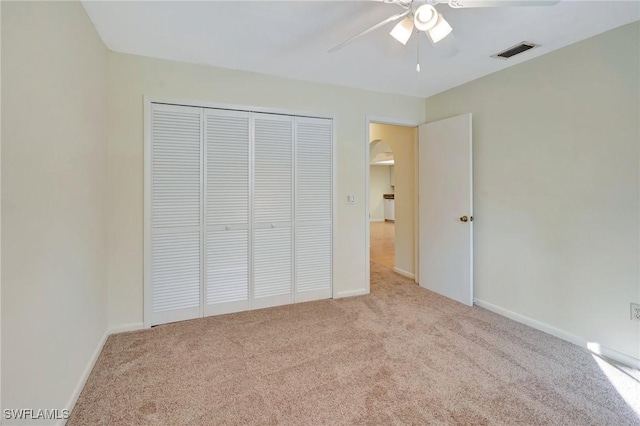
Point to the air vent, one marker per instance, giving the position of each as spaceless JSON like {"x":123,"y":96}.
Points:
{"x":515,"y":50}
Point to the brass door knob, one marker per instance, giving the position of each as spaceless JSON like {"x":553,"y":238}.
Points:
{"x":464,"y":219}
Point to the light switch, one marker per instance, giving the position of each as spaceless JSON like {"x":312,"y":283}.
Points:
{"x":351,"y":199}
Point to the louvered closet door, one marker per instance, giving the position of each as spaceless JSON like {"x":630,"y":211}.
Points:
{"x":272,"y":211}
{"x":226,"y":211}
{"x":175,"y":185}
{"x":313,"y":199}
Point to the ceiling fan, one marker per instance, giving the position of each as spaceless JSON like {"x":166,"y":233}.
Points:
{"x":422,"y":16}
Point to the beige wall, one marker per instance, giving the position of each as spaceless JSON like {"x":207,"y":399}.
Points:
{"x":53,"y":212}
{"x":131,"y":77}
{"x":379,"y":184}
{"x":403,"y":142}
{"x":556,"y":197}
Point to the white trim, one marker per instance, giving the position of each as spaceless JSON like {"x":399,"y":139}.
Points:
{"x":416,"y":207}
{"x":94,"y":358}
{"x":392,"y":121}
{"x":203,"y":203}
{"x":334,"y":204}
{"x":146,"y":275}
{"x":235,"y":107}
{"x":350,"y":293}
{"x":561,"y":334}
{"x":471,"y":243}
{"x":123,"y":328}
{"x":367,"y":208}
{"x":614,"y":355}
{"x":85,"y":375}
{"x":404,"y":273}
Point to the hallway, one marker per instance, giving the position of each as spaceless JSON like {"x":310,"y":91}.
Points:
{"x":383,"y":243}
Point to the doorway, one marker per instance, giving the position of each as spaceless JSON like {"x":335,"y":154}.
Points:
{"x":391,"y":161}
{"x":382,"y":203}
{"x":438,"y":215}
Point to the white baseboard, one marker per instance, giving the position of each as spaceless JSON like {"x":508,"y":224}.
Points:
{"x":561,"y":334}
{"x":404,"y":273}
{"x":377,"y":220}
{"x":350,"y":293}
{"x":92,"y":361}
{"x":614,"y":355}
{"x":125,"y":327}
{"x":85,"y":375}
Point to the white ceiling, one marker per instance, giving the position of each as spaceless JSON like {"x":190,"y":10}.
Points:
{"x":291,"y":38}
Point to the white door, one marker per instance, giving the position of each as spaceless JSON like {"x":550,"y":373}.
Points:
{"x":313,"y":195}
{"x":273,"y":211}
{"x":226,"y":205}
{"x":238,"y":211}
{"x":173,"y":240}
{"x":446,"y":209}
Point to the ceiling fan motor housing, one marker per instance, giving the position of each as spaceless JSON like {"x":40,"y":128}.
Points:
{"x":425,"y":17}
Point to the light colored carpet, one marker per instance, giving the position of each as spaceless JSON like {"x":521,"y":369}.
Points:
{"x":402,"y":355}
{"x":383,"y":243}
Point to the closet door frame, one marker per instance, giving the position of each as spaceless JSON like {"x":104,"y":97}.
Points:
{"x":147,"y":231}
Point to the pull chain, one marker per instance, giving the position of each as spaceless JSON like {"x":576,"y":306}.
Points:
{"x":418,"y":52}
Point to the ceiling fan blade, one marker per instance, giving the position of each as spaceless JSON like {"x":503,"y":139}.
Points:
{"x":500,"y":3}
{"x":370,"y":29}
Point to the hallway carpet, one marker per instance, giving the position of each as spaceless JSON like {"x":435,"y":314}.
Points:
{"x":401,"y":355}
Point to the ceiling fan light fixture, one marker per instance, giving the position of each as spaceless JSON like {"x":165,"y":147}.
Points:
{"x":440,"y":30}
{"x":425,"y":17}
{"x":402,"y":30}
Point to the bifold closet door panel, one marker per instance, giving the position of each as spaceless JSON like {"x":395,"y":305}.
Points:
{"x":227,"y":199}
{"x":272,"y":210}
{"x":239,"y":211}
{"x":313,"y":263}
{"x":176,"y":193}
{"x":313,"y":200}
{"x":227,"y":271}
{"x":272,"y":264}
